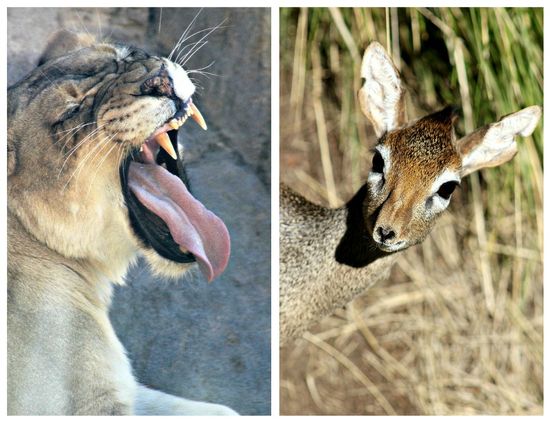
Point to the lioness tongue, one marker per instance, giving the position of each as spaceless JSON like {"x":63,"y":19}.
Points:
{"x":192,"y":226}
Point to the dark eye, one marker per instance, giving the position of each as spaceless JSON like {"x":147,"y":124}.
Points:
{"x":377,"y":163}
{"x":447,"y":189}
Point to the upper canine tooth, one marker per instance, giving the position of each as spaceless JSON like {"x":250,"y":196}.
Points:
{"x":174,"y":124}
{"x":197,"y":117}
{"x":164,"y":141}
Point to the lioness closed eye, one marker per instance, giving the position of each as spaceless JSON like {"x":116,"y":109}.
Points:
{"x":94,"y":178}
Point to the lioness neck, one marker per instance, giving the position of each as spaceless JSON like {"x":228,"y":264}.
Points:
{"x":327,"y":258}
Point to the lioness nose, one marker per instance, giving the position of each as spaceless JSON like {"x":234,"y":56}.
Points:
{"x":159,"y":85}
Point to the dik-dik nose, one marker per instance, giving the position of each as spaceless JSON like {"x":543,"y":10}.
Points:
{"x":385,"y":233}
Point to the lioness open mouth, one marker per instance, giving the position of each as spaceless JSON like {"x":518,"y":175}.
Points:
{"x":163,"y":213}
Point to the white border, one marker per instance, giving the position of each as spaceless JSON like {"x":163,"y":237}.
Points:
{"x":274,"y":5}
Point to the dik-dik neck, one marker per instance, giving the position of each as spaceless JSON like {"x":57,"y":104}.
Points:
{"x":327,"y":258}
{"x":356,"y":247}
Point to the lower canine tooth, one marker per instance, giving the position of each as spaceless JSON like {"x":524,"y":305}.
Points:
{"x":164,"y":141}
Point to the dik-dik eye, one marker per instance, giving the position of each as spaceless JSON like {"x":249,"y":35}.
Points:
{"x":377,"y":163}
{"x":447,"y":189}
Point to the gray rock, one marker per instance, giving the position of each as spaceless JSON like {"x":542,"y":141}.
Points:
{"x":27,"y":35}
{"x":203,"y":341}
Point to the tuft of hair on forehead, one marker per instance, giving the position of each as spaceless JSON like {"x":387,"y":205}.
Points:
{"x":446,"y":116}
{"x":428,"y":141}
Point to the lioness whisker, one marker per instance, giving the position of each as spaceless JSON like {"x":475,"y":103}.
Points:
{"x":77,"y":127}
{"x":95,"y":150}
{"x":83,"y":25}
{"x":76,"y":147}
{"x":120,"y":160}
{"x":206,"y":74}
{"x":184,"y":34}
{"x":99,"y":24}
{"x":211,"y":29}
{"x":77,"y":168}
{"x":98,"y":153}
{"x":105,"y":142}
{"x":192,"y":52}
{"x":69,"y":133}
{"x":160,"y":20}
{"x":115,"y":145}
{"x":81,"y":142}
{"x":188,"y":47}
{"x":99,"y":145}
{"x":198,"y":86}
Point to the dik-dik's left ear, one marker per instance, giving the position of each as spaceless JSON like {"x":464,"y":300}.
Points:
{"x":494,"y":144}
{"x":382,"y":96}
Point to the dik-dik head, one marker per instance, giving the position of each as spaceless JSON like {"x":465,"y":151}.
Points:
{"x":417,"y":164}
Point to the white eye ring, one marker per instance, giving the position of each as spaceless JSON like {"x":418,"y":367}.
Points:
{"x":375,"y":181}
{"x":438,"y":202}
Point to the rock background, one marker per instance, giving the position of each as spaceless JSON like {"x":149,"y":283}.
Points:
{"x":202,"y":341}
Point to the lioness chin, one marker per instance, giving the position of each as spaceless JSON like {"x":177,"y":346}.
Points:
{"x":95,"y":178}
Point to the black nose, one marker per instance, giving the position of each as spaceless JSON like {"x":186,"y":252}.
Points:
{"x":385,"y":233}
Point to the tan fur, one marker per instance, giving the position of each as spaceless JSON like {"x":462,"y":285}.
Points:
{"x":329,"y":256}
{"x":69,"y":236}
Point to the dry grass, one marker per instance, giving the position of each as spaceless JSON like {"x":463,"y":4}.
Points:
{"x":458,"y":327}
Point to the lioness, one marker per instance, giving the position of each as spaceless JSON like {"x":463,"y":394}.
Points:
{"x":95,"y":178}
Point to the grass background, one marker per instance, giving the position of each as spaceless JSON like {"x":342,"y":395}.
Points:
{"x":458,"y":328}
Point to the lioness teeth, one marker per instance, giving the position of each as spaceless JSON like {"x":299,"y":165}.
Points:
{"x":197,"y":117}
{"x":164,"y":141}
{"x":174,"y":124}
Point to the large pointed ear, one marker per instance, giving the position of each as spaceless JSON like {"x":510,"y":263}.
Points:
{"x":494,"y":144}
{"x":382,"y":96}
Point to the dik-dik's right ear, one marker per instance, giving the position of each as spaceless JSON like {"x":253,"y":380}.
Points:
{"x":495,"y":144}
{"x":382,"y":96}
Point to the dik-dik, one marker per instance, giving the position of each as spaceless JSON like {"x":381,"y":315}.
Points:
{"x":328,"y":256}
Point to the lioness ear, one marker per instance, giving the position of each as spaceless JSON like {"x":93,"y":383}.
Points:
{"x":494,"y":144}
{"x":63,"y":42}
{"x":382,"y":96}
